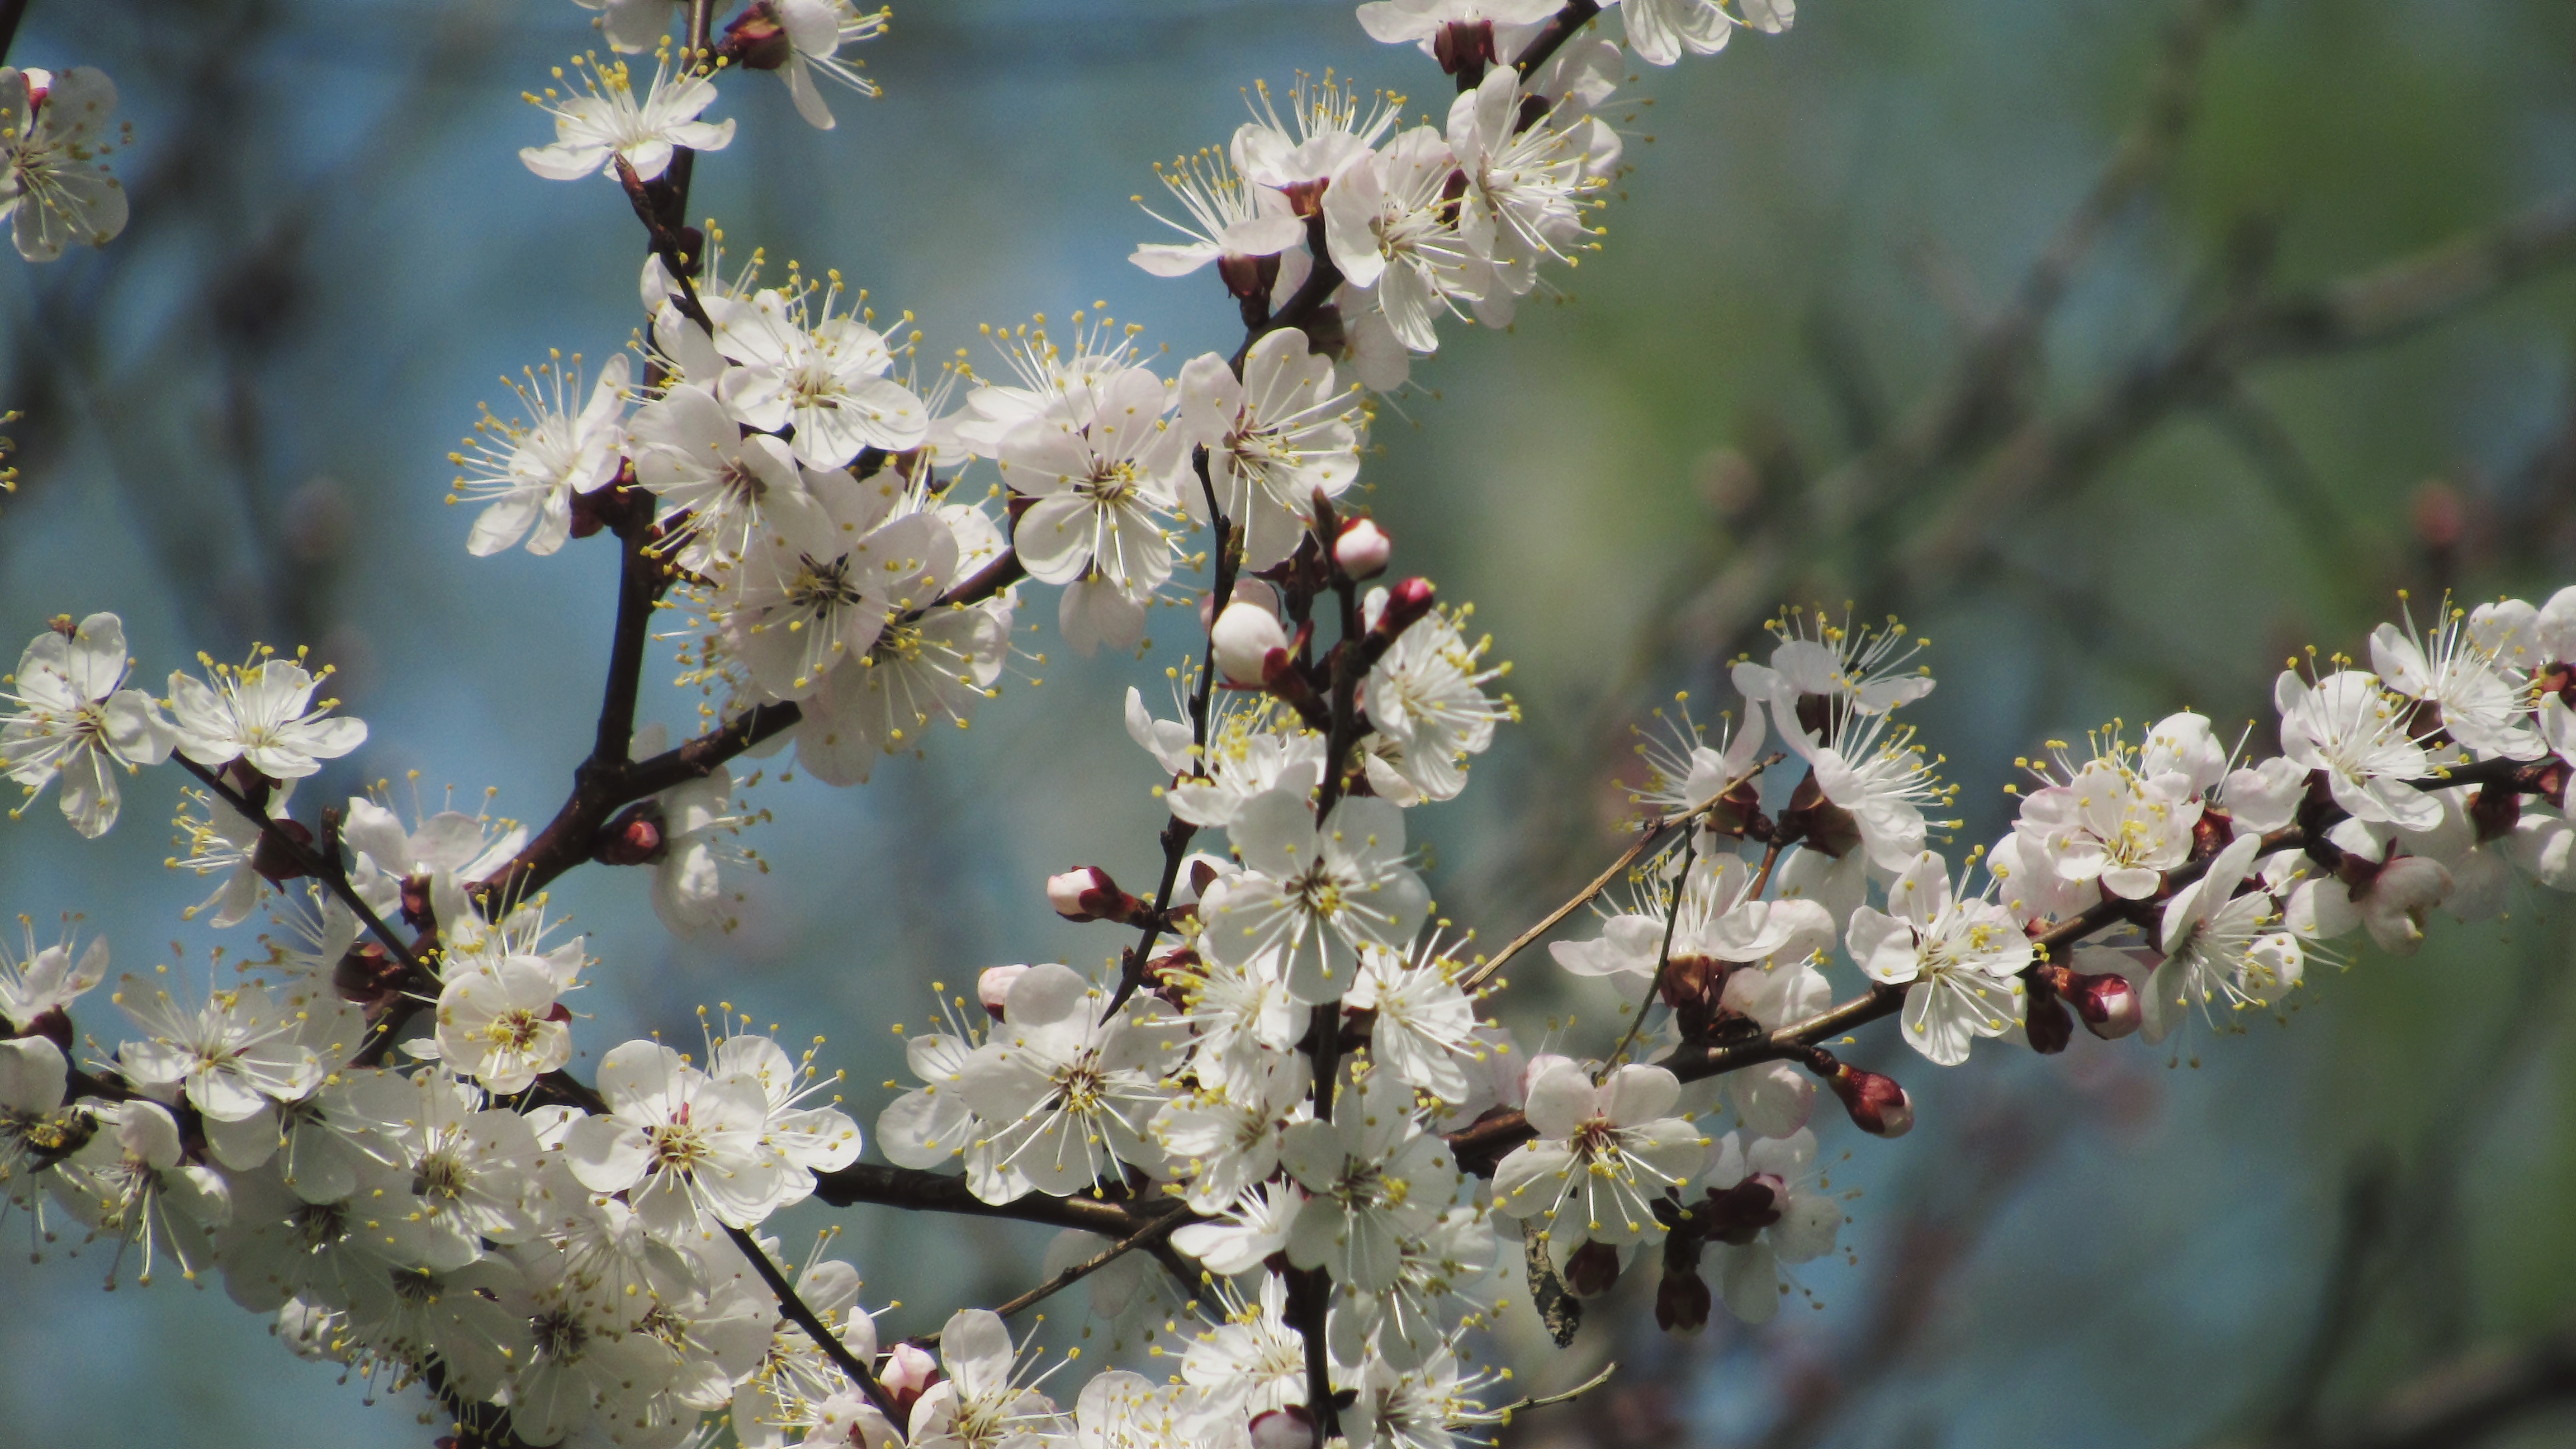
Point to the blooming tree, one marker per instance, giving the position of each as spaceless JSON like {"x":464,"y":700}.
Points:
{"x":1283,"y":1117}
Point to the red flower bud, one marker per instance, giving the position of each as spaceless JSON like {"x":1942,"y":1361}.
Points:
{"x":2109,"y":1005}
{"x":1406,"y":603}
{"x":1877,"y":1105}
{"x":757,"y":39}
{"x":1086,"y":893}
{"x":633,"y":838}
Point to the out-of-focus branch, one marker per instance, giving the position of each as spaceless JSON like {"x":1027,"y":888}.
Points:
{"x":2454,"y":1404}
{"x":2367,"y":309}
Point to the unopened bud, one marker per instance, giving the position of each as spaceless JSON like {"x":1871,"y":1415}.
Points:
{"x":1243,"y":639}
{"x":1363,"y":549}
{"x":1086,"y":893}
{"x":1593,"y":1270}
{"x":1681,"y":1303}
{"x":909,"y":1370}
{"x":993,"y":988}
{"x":1464,"y":45}
{"x":2046,"y":1025}
{"x":1877,"y":1105}
{"x":633,"y":838}
{"x":1405,"y":603}
{"x":757,"y":39}
{"x":1290,"y":1427}
{"x":2110,"y":1006}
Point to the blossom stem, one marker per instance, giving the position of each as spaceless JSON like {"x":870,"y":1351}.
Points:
{"x":1664,"y":955}
{"x":1145,"y":1236}
{"x":803,"y":1316}
{"x":1177,"y":833}
{"x":1649,"y":839}
{"x":326,"y":869}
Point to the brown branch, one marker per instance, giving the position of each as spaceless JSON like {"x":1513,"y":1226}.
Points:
{"x":804,"y":1317}
{"x":314,"y":863}
{"x":1144,"y":1237}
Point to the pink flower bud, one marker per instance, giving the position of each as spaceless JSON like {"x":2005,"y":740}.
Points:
{"x":1290,"y":1427}
{"x":1243,"y":640}
{"x":993,"y":988}
{"x":2110,"y":1006}
{"x":1877,"y":1104}
{"x":633,"y":838}
{"x":1086,"y":893}
{"x":1363,"y":549}
{"x":909,"y":1370}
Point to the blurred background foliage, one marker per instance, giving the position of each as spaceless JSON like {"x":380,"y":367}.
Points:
{"x":2121,"y":348}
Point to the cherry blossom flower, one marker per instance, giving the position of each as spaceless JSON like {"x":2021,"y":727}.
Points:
{"x":929,"y":671}
{"x":1763,"y":1199}
{"x":1375,"y":1179}
{"x":526,"y":473}
{"x":2217,"y":946}
{"x":1276,"y":437}
{"x":1224,"y":1139}
{"x":816,"y":32}
{"x":1957,"y":957}
{"x":261,"y":714}
{"x":1607,"y":1150}
{"x":1329,"y":128}
{"x":76,"y":721}
{"x":1249,"y":1229}
{"x":682,"y":1139}
{"x":2462,"y":680}
{"x":1394,"y":234}
{"x":33,"y":1127}
{"x":2110,"y":823}
{"x":1103,"y":468}
{"x":1252,"y":1362}
{"x":1659,"y":31}
{"x":822,"y":582}
{"x":1424,"y":1030}
{"x":53,"y":188}
{"x":47,"y":979}
{"x":698,"y":462}
{"x":2347,"y":725}
{"x":130,"y":1181}
{"x":1314,"y":894}
{"x":1065,"y":1095}
{"x":1430,"y":24}
{"x":232,"y":1056}
{"x":1450,"y":1279}
{"x":1525,"y":187}
{"x":605,"y":123}
{"x":1427,"y":693}
{"x":981,"y":1404}
{"x":1232,"y":222}
{"x":801,"y":366}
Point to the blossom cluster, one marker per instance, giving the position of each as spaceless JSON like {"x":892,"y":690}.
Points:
{"x":1294,"y":1151}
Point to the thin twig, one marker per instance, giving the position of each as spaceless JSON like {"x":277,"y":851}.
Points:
{"x":815,"y":1328}
{"x":333,"y":876}
{"x":1504,"y":1414}
{"x":1663,"y":956}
